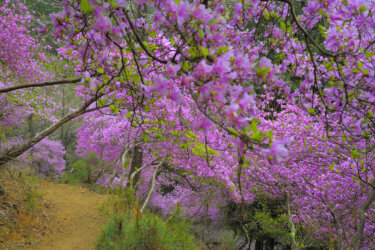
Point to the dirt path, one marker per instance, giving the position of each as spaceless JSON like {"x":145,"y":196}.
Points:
{"x":78,"y":221}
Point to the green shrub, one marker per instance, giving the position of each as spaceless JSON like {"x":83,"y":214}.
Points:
{"x":31,"y":179}
{"x":228,"y":243}
{"x":119,"y":202}
{"x":79,"y":173}
{"x":32,"y":198}
{"x":144,"y":231}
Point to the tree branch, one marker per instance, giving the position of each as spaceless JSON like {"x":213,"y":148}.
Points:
{"x":291,"y":223}
{"x":204,"y":201}
{"x":15,"y":152}
{"x":152,"y":186}
{"x":40,"y":84}
{"x":294,"y":15}
{"x":140,"y":41}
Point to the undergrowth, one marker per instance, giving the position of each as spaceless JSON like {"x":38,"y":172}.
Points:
{"x":128,"y":228}
{"x":80,"y":173}
{"x":21,"y":209}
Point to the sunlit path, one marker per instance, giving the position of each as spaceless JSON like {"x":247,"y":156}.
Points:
{"x":77,"y":213}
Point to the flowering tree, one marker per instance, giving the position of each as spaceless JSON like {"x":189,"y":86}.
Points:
{"x":22,"y":69}
{"x":272,"y":97}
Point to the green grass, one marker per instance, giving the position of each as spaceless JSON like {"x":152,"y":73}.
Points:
{"x":130,"y":229}
{"x":144,"y":231}
{"x":31,"y":179}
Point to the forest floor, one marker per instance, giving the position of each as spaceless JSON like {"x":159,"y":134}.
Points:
{"x":47,"y":215}
{"x":42,"y":215}
{"x":78,"y":220}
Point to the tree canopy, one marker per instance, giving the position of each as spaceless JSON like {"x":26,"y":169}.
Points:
{"x":202,"y":103}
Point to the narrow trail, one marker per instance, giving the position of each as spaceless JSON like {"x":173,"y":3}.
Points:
{"x":76,"y":210}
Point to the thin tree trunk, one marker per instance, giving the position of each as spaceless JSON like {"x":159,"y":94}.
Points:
{"x":31,"y":131}
{"x":338,"y":231}
{"x":62,"y":114}
{"x":152,"y":186}
{"x":362,"y":220}
{"x":204,"y":201}
{"x":130,"y":182}
{"x":151,"y":189}
{"x":125,"y":163}
{"x":115,"y":173}
{"x":137,"y":162}
{"x":291,"y":223}
{"x":121,"y":159}
{"x":100,"y":171}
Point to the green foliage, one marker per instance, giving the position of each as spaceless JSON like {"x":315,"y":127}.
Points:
{"x":31,"y":179}
{"x":32,"y":198}
{"x":263,"y":71}
{"x":263,"y":219}
{"x":97,"y":188}
{"x":266,"y":219}
{"x":229,"y":243}
{"x":144,"y":231}
{"x":79,"y":172}
{"x":275,"y":227}
{"x":120,"y":201}
{"x":128,"y":228}
{"x":86,"y":6}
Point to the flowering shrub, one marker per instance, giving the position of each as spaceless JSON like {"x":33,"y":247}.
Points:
{"x":46,"y":158}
